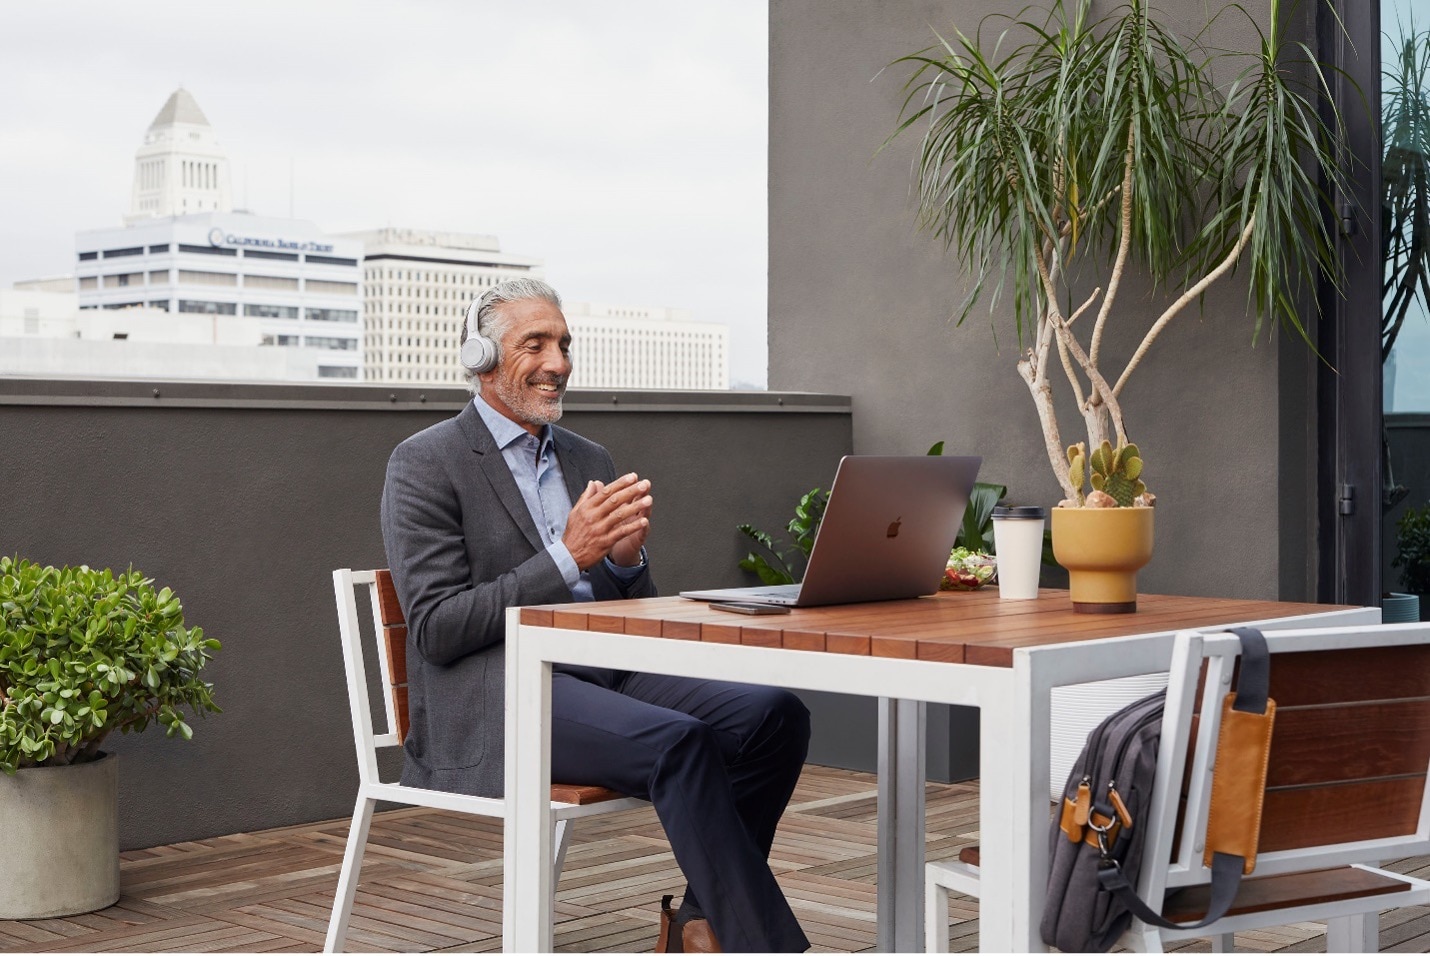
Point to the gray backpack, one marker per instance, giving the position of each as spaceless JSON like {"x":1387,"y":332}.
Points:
{"x":1099,"y":835}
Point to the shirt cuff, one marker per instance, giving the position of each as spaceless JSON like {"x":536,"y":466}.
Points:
{"x":624,"y":574}
{"x":566,"y":564}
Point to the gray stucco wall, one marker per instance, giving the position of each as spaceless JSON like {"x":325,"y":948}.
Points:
{"x":244,"y":499}
{"x":860,"y":304}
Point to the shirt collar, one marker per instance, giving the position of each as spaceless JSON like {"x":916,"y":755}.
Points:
{"x":506,"y":432}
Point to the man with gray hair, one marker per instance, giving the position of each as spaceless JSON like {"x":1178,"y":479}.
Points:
{"x":499,"y":507}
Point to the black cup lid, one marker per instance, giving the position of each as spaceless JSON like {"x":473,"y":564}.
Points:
{"x":1020,"y":511}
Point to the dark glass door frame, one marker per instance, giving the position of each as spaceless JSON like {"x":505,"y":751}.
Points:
{"x":1348,"y":514}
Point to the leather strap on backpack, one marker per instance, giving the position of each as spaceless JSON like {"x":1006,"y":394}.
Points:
{"x":1234,"y":819}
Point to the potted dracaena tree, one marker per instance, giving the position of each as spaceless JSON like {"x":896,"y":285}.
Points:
{"x":1055,"y":147}
{"x":82,"y":653}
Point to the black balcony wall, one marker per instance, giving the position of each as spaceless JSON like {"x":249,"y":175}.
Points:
{"x":244,"y":498}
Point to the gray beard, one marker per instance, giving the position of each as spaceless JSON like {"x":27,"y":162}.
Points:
{"x":530,"y":410}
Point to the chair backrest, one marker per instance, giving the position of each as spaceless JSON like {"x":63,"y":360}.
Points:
{"x":1349,"y":756}
{"x":390,"y":630}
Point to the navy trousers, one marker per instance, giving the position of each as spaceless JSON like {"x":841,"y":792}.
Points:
{"x":718,"y":761}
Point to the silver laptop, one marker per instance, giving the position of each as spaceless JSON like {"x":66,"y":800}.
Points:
{"x":886,"y":534}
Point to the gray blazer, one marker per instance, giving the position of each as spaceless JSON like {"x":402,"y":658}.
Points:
{"x":463,"y":548}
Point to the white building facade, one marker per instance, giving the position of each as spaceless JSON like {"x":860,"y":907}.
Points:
{"x":180,"y":169}
{"x":647,"y":348}
{"x":47,"y":335}
{"x":302,"y":286}
{"x":417,"y":286}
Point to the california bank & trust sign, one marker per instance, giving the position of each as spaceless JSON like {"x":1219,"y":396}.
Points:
{"x":217,"y":237}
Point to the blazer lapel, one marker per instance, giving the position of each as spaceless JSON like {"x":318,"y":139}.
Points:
{"x":493,"y":465}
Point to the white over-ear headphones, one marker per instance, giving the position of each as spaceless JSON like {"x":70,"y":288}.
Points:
{"x":479,"y":353}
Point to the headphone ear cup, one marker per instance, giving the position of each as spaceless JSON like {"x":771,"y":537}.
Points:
{"x":479,"y":354}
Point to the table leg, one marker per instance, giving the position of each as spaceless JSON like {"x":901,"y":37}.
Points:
{"x":902,"y":771}
{"x":1013,"y":816}
{"x":527,"y":877}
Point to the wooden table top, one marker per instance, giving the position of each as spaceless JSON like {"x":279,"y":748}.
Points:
{"x":973,"y":627}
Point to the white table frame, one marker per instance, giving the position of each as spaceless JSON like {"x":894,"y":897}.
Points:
{"x":1013,"y":803}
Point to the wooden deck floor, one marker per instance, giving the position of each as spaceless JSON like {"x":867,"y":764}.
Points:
{"x":432,"y":881}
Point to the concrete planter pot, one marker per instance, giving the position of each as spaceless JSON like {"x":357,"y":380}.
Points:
{"x":1396,"y":608}
{"x":1102,"y":549}
{"x":60,"y":851}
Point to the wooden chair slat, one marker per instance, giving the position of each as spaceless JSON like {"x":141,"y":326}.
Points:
{"x":395,"y":647}
{"x":1368,"y":673}
{"x":1365,"y":810}
{"x":399,"y":702}
{"x":582,"y":796}
{"x":1355,"y":742}
{"x":387,"y":605}
{"x":1260,"y":894}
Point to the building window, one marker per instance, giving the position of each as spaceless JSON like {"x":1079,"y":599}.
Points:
{"x":208,"y":308}
{"x":270,"y":282}
{"x":279,"y":340}
{"x":86,"y":256}
{"x":330,"y":342}
{"x":160,"y":248}
{"x":155,"y":278}
{"x":205,"y":250}
{"x":337,"y":371}
{"x":333,"y":288}
{"x":332,"y":260}
{"x":160,"y":304}
{"x":121,"y":305}
{"x":88,"y":283}
{"x":124,"y":279}
{"x":262,"y":254}
{"x":116,"y":253}
{"x":192,"y":277}
{"x":332,"y":315}
{"x":271,"y":311}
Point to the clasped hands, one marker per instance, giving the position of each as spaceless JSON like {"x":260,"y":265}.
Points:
{"x":609,"y":519}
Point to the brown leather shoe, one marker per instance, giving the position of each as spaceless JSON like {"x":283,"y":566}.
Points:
{"x":684,"y":935}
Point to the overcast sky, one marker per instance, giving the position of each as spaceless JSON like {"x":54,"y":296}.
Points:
{"x":623,"y":142}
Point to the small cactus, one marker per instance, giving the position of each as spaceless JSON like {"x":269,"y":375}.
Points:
{"x":1114,"y":473}
{"x":1117,"y":472}
{"x":1077,"y":467}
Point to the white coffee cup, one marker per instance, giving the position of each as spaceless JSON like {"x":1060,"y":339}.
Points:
{"x":1018,"y":538}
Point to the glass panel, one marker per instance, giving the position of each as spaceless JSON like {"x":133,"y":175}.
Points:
{"x":1405,"y":324}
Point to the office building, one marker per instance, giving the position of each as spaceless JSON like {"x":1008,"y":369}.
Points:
{"x":303,"y":286}
{"x":417,"y":286}
{"x":648,"y":348}
{"x":47,"y":335}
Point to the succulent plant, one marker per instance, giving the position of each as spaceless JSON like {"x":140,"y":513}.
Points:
{"x":1115,"y":472}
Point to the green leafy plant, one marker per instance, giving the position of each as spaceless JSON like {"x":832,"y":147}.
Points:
{"x":1413,"y":550}
{"x":1050,"y":145}
{"x":780,"y":562}
{"x":976,"y":531}
{"x":86,"y":652}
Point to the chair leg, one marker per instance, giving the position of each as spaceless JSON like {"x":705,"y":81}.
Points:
{"x":348,"y":875}
{"x":1224,"y":943}
{"x":560,"y":841}
{"x":935,"y":916}
{"x":1357,"y":933}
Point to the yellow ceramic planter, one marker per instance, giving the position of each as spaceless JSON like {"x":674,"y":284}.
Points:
{"x":1102,"y":549}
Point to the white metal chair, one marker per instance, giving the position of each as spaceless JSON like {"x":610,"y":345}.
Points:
{"x":389,"y":629}
{"x":1345,"y":789}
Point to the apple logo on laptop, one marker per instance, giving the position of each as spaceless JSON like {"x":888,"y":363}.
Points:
{"x":893,"y":531}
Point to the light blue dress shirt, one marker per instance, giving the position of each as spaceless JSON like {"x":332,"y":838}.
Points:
{"x":537,"y":469}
